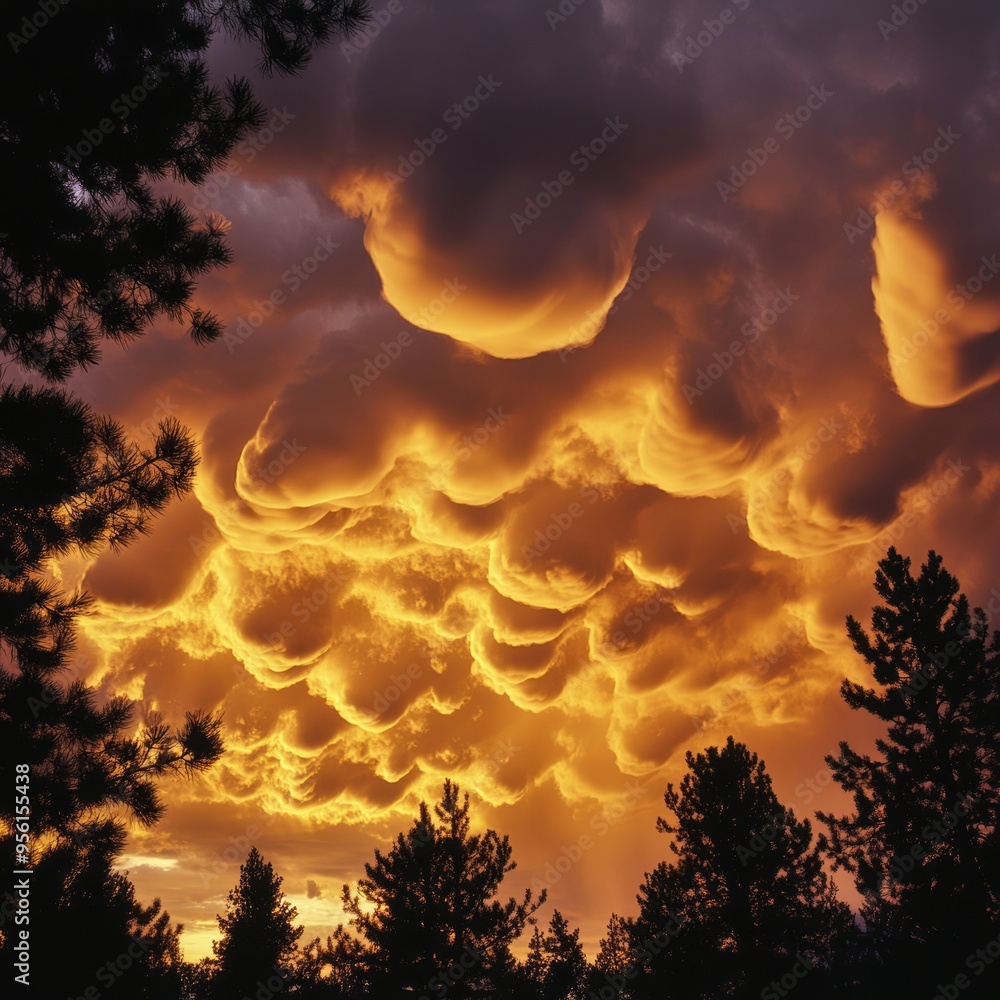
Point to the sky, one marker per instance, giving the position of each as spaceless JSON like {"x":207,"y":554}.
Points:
{"x":580,"y":364}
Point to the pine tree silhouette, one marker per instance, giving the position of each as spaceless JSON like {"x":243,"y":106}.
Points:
{"x":921,"y":842}
{"x":427,"y":911}
{"x":113,"y":96}
{"x":258,"y":934}
{"x":747,"y":881}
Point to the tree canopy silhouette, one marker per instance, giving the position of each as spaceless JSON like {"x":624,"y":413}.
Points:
{"x":748,"y":882}
{"x":113,"y":97}
{"x":426,"y":910}
{"x":258,"y":933}
{"x":556,"y":964}
{"x":921,"y":842}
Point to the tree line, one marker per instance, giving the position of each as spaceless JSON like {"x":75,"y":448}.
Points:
{"x":744,"y":905}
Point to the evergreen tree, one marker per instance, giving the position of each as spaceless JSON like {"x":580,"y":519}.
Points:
{"x":746,"y":899}
{"x":258,"y":933}
{"x":616,"y":963}
{"x":921,"y":842}
{"x":105,"y":936}
{"x":69,"y":480}
{"x":556,"y":966}
{"x":113,"y":96}
{"x":426,"y":910}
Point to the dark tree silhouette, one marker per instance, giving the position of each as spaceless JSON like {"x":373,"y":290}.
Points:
{"x":331,"y":971}
{"x":921,"y":842}
{"x":113,"y":96}
{"x":616,"y":964}
{"x":747,"y":880}
{"x":258,"y":934}
{"x":106,"y":938}
{"x":557,"y":966}
{"x":70,"y":480}
{"x":426,"y":909}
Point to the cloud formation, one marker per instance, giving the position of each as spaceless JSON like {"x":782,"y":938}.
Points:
{"x":578,"y":372}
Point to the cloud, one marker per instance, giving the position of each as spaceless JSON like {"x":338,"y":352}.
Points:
{"x":539,"y":506}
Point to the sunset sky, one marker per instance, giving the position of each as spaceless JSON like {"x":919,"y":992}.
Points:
{"x":581,"y":362}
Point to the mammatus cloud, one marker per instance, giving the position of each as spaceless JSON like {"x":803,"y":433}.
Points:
{"x":562,"y":457}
